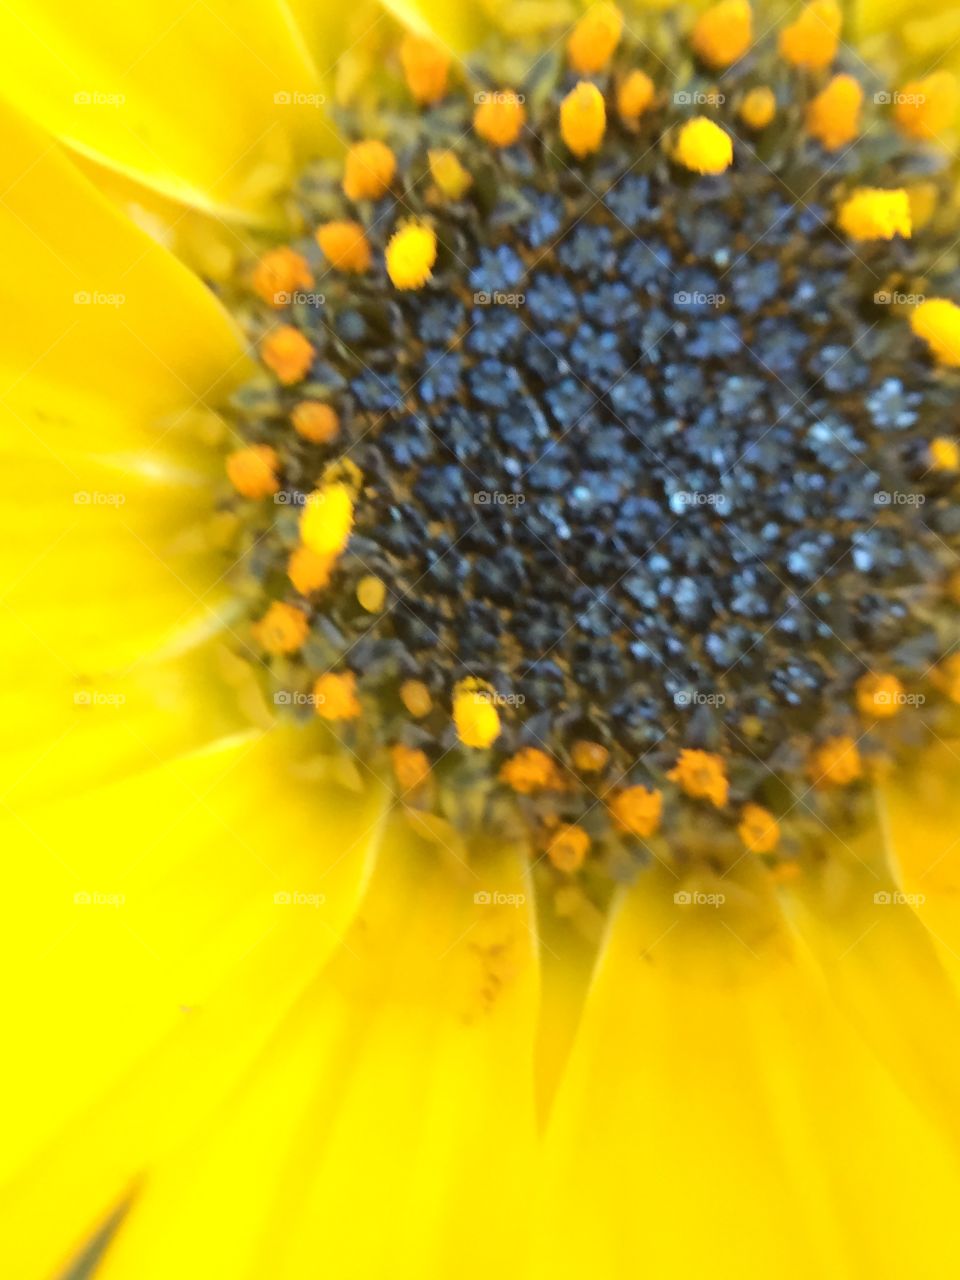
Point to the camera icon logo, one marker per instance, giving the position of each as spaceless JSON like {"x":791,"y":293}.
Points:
{"x":682,"y":898}
{"x":282,"y":698}
{"x":282,"y":98}
{"x":682,"y":99}
{"x":882,"y":899}
{"x":282,"y":898}
{"x":883,"y":99}
{"x":882,"y":498}
{"x":482,"y":898}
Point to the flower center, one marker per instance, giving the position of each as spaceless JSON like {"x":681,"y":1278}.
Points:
{"x":606,"y":471}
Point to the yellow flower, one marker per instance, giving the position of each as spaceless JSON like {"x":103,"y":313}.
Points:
{"x":479,"y":612}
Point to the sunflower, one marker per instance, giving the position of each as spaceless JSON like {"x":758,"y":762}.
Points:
{"x":481,"y":641}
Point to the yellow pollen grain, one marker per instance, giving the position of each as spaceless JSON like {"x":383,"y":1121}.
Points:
{"x":451,"y":178}
{"x":499,"y":117}
{"x":635,"y":95}
{"x":589,"y":757}
{"x":315,"y":421}
{"x":411,"y":254}
{"x":327,"y":519}
{"x":703,"y":147}
{"x":873,"y":213}
{"x":833,"y":117}
{"x":723,"y":33}
{"x":568,"y":848}
{"x":426,"y":66}
{"x":937,"y":322}
{"x":924,"y":109}
{"x":835,"y":762}
{"x":759,"y":107}
{"x":531,"y":770}
{"x":583,"y":119}
{"x":947,"y":677}
{"x":371,"y":593}
{"x":595,"y":36}
{"x":812,"y":40}
{"x":411,"y":767}
{"x":415,"y":696}
{"x":944,"y":454}
{"x":879,"y":695}
{"x":282,"y":629}
{"x":637,"y":810}
{"x":279,"y":273}
{"x":309,"y":571}
{"x":369,"y":169}
{"x":287,"y":354}
{"x":344,"y":245}
{"x":475,"y":717}
{"x":758,"y":829}
{"x":335,"y":696}
{"x":253,"y":471}
{"x":701,"y":775}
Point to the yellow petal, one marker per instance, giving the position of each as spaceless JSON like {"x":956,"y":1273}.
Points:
{"x":210,"y":103}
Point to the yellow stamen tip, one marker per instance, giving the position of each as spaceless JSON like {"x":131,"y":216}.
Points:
{"x":335,"y":696}
{"x":345,"y":247}
{"x":282,"y":629}
{"x":723,"y":33}
{"x":531,"y":770}
{"x":758,"y":108}
{"x":411,"y":767}
{"x":499,"y":117}
{"x":594,"y":38}
{"x":279,"y":273}
{"x":309,"y":571}
{"x":371,"y":593}
{"x":637,"y":810}
{"x":835,"y":762}
{"x":758,"y":829}
{"x":703,"y":147}
{"x":448,"y":173}
{"x":635,"y":96}
{"x":833,"y":117}
{"x":253,"y":471}
{"x":568,"y":848}
{"x":879,"y":696}
{"x":937,"y":322}
{"x":411,"y":255}
{"x":287,"y":353}
{"x":425,"y":67}
{"x":315,"y":421}
{"x":327,"y":519}
{"x":369,"y":169}
{"x":415,"y":696}
{"x":475,"y":717}
{"x":812,"y":40}
{"x":871,"y":213}
{"x":702,"y":775}
{"x":924,"y":109}
{"x":944,"y":454}
{"x":583,"y":119}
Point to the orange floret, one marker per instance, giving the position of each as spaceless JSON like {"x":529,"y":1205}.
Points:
{"x":287,"y":353}
{"x":253,"y":471}
{"x":344,"y":245}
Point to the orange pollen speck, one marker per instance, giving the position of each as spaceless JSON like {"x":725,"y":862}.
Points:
{"x":345,"y":246}
{"x":635,"y":96}
{"x":874,"y":213}
{"x":369,"y":169}
{"x":371,"y":593}
{"x":315,"y":421}
{"x":426,"y":67}
{"x":879,"y":696}
{"x":415,"y":696}
{"x":926,"y":108}
{"x":309,"y":571}
{"x":835,"y":762}
{"x":637,"y":810}
{"x":253,"y":471}
{"x":335,"y":696}
{"x":947,"y":677}
{"x":702,"y":775}
{"x":589,"y":757}
{"x":531,"y":770}
{"x":833,"y":117}
{"x":287,"y":353}
{"x":758,"y":108}
{"x":944,"y":454}
{"x":499,"y":117}
{"x":568,"y":848}
{"x":937,"y":322}
{"x":411,"y":767}
{"x":594,"y":38}
{"x":812,"y":40}
{"x":723,"y":33}
{"x":583,"y":119}
{"x":758,"y":829}
{"x":282,"y":629}
{"x":279,"y":273}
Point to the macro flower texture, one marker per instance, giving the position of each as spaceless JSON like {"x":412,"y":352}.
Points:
{"x":480,"y":621}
